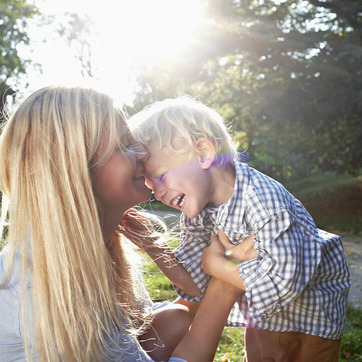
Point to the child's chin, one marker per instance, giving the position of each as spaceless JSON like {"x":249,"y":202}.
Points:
{"x":190,"y":215}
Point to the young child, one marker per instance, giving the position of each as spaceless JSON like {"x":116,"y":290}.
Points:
{"x":297,"y":283}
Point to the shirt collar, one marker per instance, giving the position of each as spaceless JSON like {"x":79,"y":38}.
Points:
{"x":241,"y":182}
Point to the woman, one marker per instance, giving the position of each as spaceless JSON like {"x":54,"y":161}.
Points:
{"x":70,"y":170}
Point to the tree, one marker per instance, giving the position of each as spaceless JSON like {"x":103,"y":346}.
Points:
{"x":14,"y":15}
{"x":285,"y":73}
{"x":76,"y":31}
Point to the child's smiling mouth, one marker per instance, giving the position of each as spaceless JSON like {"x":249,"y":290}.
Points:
{"x":178,"y":201}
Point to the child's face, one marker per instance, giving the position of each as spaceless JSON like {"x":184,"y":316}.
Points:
{"x":177,"y":181}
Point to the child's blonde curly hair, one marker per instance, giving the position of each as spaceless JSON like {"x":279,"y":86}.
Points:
{"x":176,"y":124}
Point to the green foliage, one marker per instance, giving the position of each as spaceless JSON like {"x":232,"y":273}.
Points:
{"x":351,"y":349}
{"x":158,"y":285}
{"x":77,"y":31}
{"x":14,"y":15}
{"x":231,"y":346}
{"x":285,"y":73}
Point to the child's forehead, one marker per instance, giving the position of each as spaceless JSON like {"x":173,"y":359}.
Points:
{"x":161,"y":154}
{"x":154,"y":165}
{"x":161,"y":160}
{"x":158,"y":157}
{"x":170,"y":140}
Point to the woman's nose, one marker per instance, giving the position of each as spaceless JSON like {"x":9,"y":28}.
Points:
{"x":159,"y":191}
{"x":141,"y":152}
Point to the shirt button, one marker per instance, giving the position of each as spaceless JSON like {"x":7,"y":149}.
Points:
{"x":264,"y":265}
{"x":250,"y":192}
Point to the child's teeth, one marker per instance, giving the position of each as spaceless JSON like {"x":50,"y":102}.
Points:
{"x":176,"y":200}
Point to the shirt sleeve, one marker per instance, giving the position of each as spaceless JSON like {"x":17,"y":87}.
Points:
{"x":288,"y":258}
{"x":194,"y":237}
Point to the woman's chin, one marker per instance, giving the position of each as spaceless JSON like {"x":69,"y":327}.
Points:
{"x":147,"y":195}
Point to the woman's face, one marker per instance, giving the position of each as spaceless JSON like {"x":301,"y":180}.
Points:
{"x":119,"y":181}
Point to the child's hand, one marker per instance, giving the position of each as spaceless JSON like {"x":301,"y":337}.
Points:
{"x":217,"y":263}
{"x":240,"y":252}
{"x":211,"y":253}
{"x":138,"y":229}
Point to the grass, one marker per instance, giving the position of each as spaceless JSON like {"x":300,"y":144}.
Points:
{"x":317,"y":181}
{"x":335,"y":206}
{"x":351,"y":349}
{"x":153,"y":204}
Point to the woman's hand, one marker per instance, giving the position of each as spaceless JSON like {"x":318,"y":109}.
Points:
{"x":138,"y":229}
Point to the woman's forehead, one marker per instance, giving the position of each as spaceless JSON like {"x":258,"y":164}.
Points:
{"x":121,"y":129}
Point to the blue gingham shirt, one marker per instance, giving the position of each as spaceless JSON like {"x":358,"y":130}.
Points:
{"x":300,"y":280}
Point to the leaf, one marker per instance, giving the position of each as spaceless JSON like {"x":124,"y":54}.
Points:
{"x":346,"y":354}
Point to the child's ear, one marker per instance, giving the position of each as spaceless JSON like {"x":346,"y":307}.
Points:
{"x":205,"y":150}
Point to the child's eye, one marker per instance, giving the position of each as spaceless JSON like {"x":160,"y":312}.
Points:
{"x":158,"y":179}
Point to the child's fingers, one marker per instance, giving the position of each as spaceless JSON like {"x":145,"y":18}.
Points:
{"x":250,"y":241}
{"x":224,"y":240}
{"x":249,"y":245}
{"x":216,"y":246}
{"x":214,"y":239}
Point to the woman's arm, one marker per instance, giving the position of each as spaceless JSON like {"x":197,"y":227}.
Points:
{"x":138,"y":229}
{"x":164,"y":257}
{"x":201,"y":340}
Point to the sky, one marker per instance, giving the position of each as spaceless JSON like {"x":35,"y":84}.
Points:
{"x":125,"y":33}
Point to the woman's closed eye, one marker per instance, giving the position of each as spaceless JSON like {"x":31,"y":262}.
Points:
{"x":137,"y":150}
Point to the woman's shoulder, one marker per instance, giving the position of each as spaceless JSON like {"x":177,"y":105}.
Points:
{"x":11,"y":344}
{"x":12,"y":284}
{"x":9,"y":288}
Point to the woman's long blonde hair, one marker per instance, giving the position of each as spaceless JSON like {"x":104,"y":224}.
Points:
{"x":80,"y":284}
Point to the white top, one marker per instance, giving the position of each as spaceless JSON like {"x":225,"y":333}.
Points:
{"x":11,"y":343}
